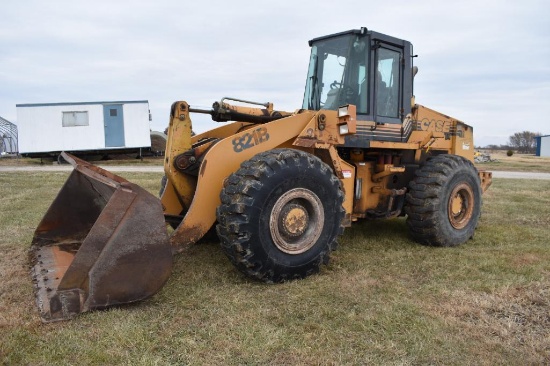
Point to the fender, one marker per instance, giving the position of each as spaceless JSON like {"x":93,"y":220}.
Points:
{"x":224,"y":158}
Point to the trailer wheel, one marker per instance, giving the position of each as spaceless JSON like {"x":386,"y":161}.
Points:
{"x":280,"y":215}
{"x":444,"y":201}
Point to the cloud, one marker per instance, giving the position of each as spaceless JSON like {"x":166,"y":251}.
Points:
{"x":483,"y":62}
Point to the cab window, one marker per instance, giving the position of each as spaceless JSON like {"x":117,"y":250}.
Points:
{"x":387,"y":83}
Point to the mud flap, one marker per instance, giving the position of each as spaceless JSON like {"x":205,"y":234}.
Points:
{"x":102,"y":242}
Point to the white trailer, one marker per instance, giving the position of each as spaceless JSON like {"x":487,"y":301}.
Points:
{"x":543,"y":146}
{"x":88,"y":127}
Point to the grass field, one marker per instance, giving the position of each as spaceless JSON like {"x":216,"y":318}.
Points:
{"x":517,"y":163}
{"x":117,"y":160}
{"x":382,"y":300}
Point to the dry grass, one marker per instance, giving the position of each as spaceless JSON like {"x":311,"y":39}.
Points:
{"x":517,"y":163}
{"x":516,"y":317}
{"x":128,"y":159}
{"x":382,"y":300}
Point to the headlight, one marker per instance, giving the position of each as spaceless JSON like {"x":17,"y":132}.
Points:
{"x":343,"y":111}
{"x":343,"y":129}
{"x":347,"y":119}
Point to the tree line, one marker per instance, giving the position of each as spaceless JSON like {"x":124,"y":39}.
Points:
{"x":522,"y":142}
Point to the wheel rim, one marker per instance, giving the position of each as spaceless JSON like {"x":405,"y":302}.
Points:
{"x":461,"y":206}
{"x":296,"y":221}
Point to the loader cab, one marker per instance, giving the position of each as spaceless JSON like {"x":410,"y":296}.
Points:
{"x":361,"y":67}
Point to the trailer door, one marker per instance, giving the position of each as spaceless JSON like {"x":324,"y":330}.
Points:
{"x":114,"y":125}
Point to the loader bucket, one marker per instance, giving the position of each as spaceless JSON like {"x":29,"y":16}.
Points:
{"x":102,"y":242}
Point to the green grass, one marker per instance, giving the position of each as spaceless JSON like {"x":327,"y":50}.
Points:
{"x":382,"y":300}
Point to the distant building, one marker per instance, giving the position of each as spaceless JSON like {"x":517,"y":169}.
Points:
{"x":8,"y":137}
{"x":87,"y":127}
{"x":543,"y":145}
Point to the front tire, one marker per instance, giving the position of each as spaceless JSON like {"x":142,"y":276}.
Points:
{"x":444,"y":201}
{"x":280,"y":215}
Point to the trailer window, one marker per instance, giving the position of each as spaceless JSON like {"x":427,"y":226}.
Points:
{"x":72,"y":119}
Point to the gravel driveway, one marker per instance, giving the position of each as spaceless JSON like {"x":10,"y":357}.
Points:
{"x":68,"y":168}
{"x":160,"y":169}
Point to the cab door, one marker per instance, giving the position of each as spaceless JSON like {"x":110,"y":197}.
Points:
{"x":388,"y":83}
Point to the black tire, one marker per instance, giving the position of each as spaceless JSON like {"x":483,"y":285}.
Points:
{"x":444,"y":201}
{"x":259,"y":203}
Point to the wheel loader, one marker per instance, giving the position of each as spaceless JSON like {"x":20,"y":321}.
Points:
{"x":277,"y":187}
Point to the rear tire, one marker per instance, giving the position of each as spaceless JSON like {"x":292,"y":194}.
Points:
{"x":280,"y":215}
{"x":444,"y":201}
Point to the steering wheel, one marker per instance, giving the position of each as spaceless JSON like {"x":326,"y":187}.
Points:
{"x":346,"y":94}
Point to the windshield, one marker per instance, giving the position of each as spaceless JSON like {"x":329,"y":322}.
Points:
{"x":337,"y":74}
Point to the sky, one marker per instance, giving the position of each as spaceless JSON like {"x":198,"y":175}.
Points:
{"x":485,"y":62}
